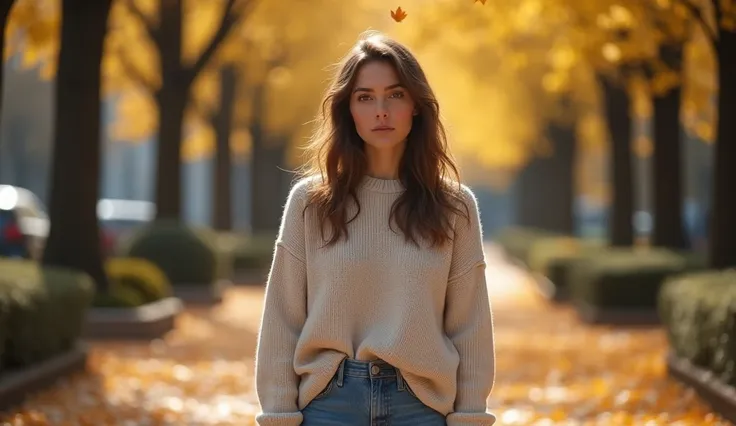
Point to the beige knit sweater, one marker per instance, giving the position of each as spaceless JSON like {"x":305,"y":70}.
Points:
{"x":374,"y":296}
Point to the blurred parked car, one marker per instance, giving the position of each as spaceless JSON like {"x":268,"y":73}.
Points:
{"x":119,"y":218}
{"x":24,"y":223}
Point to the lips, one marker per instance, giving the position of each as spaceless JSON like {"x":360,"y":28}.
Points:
{"x":382,"y":129}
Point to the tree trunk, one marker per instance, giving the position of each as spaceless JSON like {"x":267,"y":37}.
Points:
{"x":267,"y":181}
{"x":5,"y":6}
{"x":16,"y":148}
{"x":265,"y":176}
{"x":546,"y":187}
{"x":171,"y":105}
{"x":74,"y":238}
{"x":723,"y":219}
{"x":266,"y":185}
{"x":528,"y":197}
{"x":618,"y":120}
{"x":563,"y":172}
{"x":669,"y":230}
{"x":223,"y":123}
{"x":177,"y":78}
{"x":172,"y":101}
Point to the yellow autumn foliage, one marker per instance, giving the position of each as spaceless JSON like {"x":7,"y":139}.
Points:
{"x":500,"y":69}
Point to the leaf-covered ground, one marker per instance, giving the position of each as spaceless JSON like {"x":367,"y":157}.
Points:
{"x":551,"y":370}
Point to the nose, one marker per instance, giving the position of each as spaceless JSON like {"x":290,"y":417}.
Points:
{"x":381,"y":111}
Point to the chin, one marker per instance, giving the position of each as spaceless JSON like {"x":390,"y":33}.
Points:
{"x":384,"y":142}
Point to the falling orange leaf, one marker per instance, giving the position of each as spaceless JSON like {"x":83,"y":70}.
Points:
{"x":398,"y":15}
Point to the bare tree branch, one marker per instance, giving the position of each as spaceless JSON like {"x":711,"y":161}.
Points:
{"x":134,"y":73}
{"x":659,"y":20}
{"x":697,"y":14}
{"x":230,"y":17}
{"x":202,"y":110}
{"x":151,"y":27}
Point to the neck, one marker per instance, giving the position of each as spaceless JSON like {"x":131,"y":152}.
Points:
{"x":384,"y":163}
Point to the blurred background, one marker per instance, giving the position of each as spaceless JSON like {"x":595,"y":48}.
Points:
{"x":519,"y":87}
{"x":147,"y":149}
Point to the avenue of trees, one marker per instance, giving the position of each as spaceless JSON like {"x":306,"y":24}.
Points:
{"x":590,"y":71}
{"x":526,"y":86}
{"x":217,"y":78}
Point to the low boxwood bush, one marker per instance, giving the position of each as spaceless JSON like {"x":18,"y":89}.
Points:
{"x":625,"y":277}
{"x":698,"y":312}
{"x":133,"y":282}
{"x":123,"y":297}
{"x":541,"y":252}
{"x":185,"y":254}
{"x":554,"y":257}
{"x":42,"y":310}
{"x":517,"y":242}
{"x":248,"y":252}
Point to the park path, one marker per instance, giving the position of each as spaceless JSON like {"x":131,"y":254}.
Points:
{"x":551,"y":370}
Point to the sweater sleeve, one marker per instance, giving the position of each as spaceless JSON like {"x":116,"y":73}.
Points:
{"x":468,"y":321}
{"x":284,"y":313}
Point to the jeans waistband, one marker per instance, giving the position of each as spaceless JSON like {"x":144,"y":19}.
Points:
{"x":366,"y":369}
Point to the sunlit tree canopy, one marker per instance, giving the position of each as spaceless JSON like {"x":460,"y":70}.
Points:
{"x":502,"y":70}
{"x":544,"y":57}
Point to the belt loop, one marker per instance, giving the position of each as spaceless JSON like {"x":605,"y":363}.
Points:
{"x":341,"y":373}
{"x":399,"y":381}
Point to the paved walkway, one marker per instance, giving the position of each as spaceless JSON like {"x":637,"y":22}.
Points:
{"x":552,"y":370}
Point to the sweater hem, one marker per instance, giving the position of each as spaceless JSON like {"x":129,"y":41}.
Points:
{"x":279,"y":419}
{"x":481,"y":418}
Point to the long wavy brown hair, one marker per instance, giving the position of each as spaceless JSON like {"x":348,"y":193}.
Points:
{"x":336,"y":152}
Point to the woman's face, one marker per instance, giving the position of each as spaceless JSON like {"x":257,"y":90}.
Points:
{"x":381,"y":108}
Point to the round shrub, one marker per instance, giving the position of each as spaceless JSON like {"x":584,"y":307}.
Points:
{"x":185,"y":255}
{"x":43,"y":310}
{"x":119,"y":297}
{"x":698,"y":311}
{"x":542,"y":252}
{"x":248,"y":252}
{"x":137,"y":275}
{"x":517,"y":242}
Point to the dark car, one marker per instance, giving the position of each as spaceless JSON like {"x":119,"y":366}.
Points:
{"x":24,"y":224}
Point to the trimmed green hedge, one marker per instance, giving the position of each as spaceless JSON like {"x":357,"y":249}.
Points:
{"x":517,"y":242}
{"x":187,"y":255}
{"x":133,"y":282}
{"x":550,"y":254}
{"x":625,"y":277}
{"x":42,"y":311}
{"x":698,"y":311}
{"x":555,"y":257}
{"x":248,"y":252}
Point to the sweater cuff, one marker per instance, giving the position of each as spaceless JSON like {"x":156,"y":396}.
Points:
{"x":279,"y":419}
{"x":471,"y":419}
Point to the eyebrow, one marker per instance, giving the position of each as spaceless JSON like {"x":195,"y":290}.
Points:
{"x":366,"y":89}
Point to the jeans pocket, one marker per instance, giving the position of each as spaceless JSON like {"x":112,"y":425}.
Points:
{"x":326,"y":390}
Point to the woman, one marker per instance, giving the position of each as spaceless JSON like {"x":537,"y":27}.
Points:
{"x":376,"y":309}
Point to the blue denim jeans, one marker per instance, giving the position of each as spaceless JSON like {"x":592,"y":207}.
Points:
{"x":368,"y":394}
